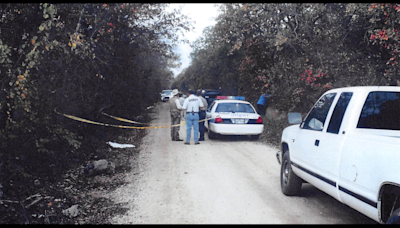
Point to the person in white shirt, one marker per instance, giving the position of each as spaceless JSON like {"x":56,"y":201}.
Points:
{"x":192,"y":104}
{"x":181,"y":100}
{"x":175,"y":110}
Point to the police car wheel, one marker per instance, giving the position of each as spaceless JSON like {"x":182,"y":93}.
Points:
{"x":255,"y":137}
{"x":211,"y":135}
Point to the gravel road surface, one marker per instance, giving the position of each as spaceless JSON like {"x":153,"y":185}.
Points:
{"x":230,"y":180}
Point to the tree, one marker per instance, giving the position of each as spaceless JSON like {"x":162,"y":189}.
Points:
{"x":384,"y":32}
{"x":304,"y":48}
{"x":79,"y":59}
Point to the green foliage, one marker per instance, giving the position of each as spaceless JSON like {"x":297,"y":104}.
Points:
{"x":384,"y":32}
{"x":211,"y":67}
{"x":297,"y":51}
{"x":79,"y":59}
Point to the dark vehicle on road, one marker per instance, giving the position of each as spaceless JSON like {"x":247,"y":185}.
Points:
{"x":210,"y":94}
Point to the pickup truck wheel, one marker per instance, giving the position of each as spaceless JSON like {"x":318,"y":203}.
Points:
{"x":394,"y":217}
{"x":290,"y":182}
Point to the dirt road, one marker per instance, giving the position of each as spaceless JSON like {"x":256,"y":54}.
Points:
{"x":231,"y":180}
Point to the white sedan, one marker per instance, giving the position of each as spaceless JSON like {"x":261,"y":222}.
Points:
{"x":165,"y":95}
{"x":232,"y":115}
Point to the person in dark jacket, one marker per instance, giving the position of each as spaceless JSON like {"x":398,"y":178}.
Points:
{"x":202,"y":114}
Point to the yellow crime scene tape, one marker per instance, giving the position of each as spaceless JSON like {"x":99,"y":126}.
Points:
{"x":120,"y":119}
{"x":135,"y":122}
{"x":130,"y":121}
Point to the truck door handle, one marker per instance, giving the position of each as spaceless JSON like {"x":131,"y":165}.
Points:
{"x":316,"y":142}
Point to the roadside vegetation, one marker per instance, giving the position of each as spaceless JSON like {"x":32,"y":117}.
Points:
{"x":86,"y":59}
{"x":81,"y":60}
{"x":297,"y":51}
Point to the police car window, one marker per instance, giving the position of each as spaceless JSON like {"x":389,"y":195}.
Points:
{"x":234,"y":107}
{"x":338,"y":112}
{"x":381,"y":111}
{"x":317,"y":116}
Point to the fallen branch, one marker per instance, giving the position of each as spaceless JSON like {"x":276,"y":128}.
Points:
{"x":34,"y":202}
{"x":9,"y":201}
{"x":30,"y":197}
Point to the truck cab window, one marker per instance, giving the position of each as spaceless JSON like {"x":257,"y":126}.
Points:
{"x":317,"y":116}
{"x":338,"y":112}
{"x":381,"y":111}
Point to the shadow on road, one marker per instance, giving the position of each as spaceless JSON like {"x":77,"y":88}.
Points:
{"x":234,"y":138}
{"x":333,"y":207}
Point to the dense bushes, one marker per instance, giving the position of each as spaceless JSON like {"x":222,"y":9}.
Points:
{"x":78,"y":59}
{"x":297,"y":51}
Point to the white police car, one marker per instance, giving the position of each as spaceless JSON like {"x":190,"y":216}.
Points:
{"x":166,"y":94}
{"x":232,"y":115}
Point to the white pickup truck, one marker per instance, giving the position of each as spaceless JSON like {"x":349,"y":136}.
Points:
{"x":348,"y":146}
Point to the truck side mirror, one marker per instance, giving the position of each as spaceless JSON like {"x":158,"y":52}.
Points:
{"x":294,"y":118}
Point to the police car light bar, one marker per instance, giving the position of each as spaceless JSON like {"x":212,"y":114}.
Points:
{"x":230,"y":98}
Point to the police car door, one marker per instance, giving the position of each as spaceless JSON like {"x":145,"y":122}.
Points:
{"x":208,"y":114}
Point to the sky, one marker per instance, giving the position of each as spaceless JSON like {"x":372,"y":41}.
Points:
{"x":204,"y":15}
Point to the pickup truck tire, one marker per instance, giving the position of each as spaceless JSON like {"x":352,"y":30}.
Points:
{"x":394,"y":217}
{"x":290,"y":182}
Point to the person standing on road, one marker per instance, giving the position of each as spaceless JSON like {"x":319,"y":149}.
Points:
{"x":192,"y":105}
{"x":202,"y":114}
{"x":181,"y":100}
{"x":262,"y":101}
{"x":175,"y":110}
